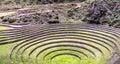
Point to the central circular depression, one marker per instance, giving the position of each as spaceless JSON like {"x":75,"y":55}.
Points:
{"x":65,"y":59}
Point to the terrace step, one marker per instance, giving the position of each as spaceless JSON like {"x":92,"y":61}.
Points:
{"x":40,"y":44}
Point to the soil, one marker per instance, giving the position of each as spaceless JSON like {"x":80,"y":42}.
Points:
{"x":117,"y":62}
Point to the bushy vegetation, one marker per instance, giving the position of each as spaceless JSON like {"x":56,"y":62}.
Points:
{"x":103,"y":12}
{"x":30,"y":2}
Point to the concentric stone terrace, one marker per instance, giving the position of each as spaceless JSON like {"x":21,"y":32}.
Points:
{"x":48,"y":44}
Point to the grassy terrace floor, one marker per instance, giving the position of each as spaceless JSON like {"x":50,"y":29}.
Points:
{"x":67,"y":55}
{"x":4,"y":50}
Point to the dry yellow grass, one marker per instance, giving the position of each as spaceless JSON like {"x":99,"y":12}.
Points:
{"x":6,"y":13}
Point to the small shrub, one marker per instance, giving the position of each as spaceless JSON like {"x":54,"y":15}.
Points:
{"x":70,"y":13}
{"x":2,"y":17}
{"x":8,"y":20}
{"x":53,"y":22}
{"x":11,"y":20}
{"x":5,"y":20}
{"x":82,"y":0}
{"x":8,"y":2}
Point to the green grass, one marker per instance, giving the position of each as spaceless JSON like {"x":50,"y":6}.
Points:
{"x":4,"y":50}
{"x":63,"y":59}
{"x":4,"y":28}
{"x":4,"y":53}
